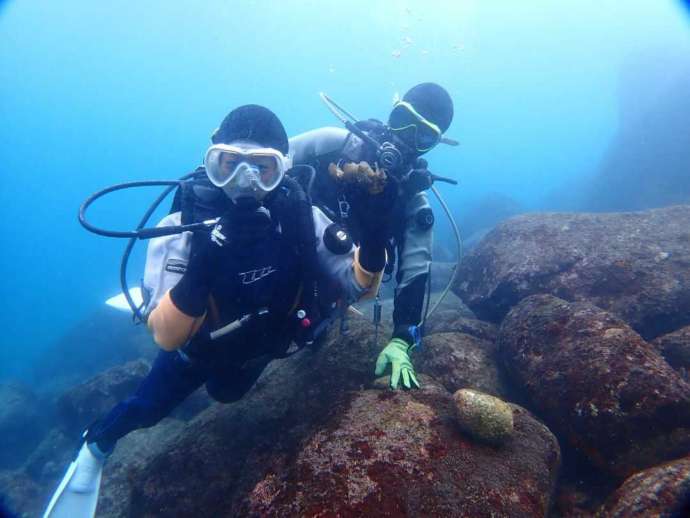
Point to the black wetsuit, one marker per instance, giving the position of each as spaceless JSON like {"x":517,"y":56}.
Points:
{"x":261,"y":270}
{"x":411,"y":239}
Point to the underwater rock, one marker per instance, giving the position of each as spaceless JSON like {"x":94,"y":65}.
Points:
{"x":636,"y":265}
{"x":662,"y":491}
{"x":127,"y":463}
{"x":450,"y":321}
{"x":440,"y":275}
{"x":220,"y":455}
{"x":675,"y":348}
{"x":22,"y":423}
{"x":596,"y":383}
{"x":107,"y":337}
{"x":48,"y":461}
{"x":458,"y":361}
{"x":83,"y":404}
{"x":245,"y":458}
{"x":20,"y":495}
{"x":484,"y":417}
{"x":402,"y":454}
{"x":574,"y":500}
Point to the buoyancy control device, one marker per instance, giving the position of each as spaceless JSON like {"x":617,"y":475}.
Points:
{"x":200,"y":204}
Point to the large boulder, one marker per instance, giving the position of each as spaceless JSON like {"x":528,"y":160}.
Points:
{"x":130,"y":458}
{"x":107,"y":337}
{"x":402,"y":454}
{"x":452,"y":321}
{"x":662,"y":491}
{"x":20,"y":496}
{"x":596,"y":383}
{"x":84,"y":403}
{"x":227,"y":459}
{"x":220,"y":455}
{"x":81,"y":405}
{"x":461,"y":361}
{"x":675,"y":348}
{"x":22,"y":423}
{"x":636,"y":265}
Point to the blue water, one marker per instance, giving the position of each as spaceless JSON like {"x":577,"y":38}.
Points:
{"x":94,"y":93}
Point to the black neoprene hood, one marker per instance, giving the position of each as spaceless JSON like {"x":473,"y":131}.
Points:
{"x":433,"y":102}
{"x":255,"y":123}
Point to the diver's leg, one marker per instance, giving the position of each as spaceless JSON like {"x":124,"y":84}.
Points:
{"x":231,"y":382}
{"x":172,"y":378}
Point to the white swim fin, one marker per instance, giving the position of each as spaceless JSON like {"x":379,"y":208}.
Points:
{"x":120,"y":302}
{"x":77,"y":494}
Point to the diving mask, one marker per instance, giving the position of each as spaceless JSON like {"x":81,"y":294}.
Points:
{"x":405,"y":121}
{"x":245,"y":168}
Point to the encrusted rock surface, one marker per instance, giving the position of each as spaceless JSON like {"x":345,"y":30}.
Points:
{"x":451,"y":321}
{"x":662,"y":491}
{"x":19,"y":495}
{"x":636,"y":265}
{"x":484,"y":417}
{"x":22,"y":423}
{"x":220,"y":455}
{"x":596,"y":383}
{"x":675,"y":348}
{"x":253,"y":457}
{"x":461,"y":361}
{"x":402,"y":454}
{"x":84,"y":403}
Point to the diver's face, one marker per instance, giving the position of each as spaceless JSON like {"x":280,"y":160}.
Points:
{"x":266,"y":165}
{"x":228,"y":162}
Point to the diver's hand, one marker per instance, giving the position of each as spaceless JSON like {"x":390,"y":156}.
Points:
{"x":419,"y":179}
{"x":374,"y":213}
{"x":397,"y":354}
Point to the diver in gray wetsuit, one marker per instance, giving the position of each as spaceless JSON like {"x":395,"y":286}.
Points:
{"x":415,"y":126}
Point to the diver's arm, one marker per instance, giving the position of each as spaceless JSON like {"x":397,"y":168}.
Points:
{"x":316,"y":146}
{"x":408,"y":306}
{"x":171,"y":327}
{"x":415,"y":259}
{"x":339,"y":261}
{"x":182,"y":309}
{"x":369,"y":277}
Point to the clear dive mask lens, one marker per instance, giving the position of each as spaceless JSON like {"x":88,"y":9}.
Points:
{"x":405,"y":121}
{"x":263,"y":168}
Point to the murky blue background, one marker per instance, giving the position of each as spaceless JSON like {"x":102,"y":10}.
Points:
{"x":95,"y":93}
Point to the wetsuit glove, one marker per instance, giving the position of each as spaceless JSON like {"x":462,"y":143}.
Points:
{"x":418,"y":179}
{"x":375,"y":215}
{"x":397,"y":354}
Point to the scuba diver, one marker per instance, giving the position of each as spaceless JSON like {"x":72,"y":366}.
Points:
{"x":223,"y":302}
{"x":352,"y":161}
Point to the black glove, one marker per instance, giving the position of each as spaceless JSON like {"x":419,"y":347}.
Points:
{"x":374,"y":212}
{"x":190,"y":294}
{"x":417,"y":180}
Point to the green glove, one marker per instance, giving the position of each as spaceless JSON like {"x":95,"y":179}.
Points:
{"x":396,"y":353}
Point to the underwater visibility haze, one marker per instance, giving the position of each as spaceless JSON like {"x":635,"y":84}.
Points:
{"x":575,"y":106}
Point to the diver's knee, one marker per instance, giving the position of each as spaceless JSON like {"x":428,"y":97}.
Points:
{"x":224,"y":394}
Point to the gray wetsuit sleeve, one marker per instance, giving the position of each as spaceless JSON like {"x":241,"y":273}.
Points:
{"x":307,"y":148}
{"x":338,"y":268}
{"x":415,"y":256}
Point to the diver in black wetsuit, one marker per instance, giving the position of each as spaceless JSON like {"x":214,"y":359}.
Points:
{"x":415,"y":126}
{"x":222,"y":304}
